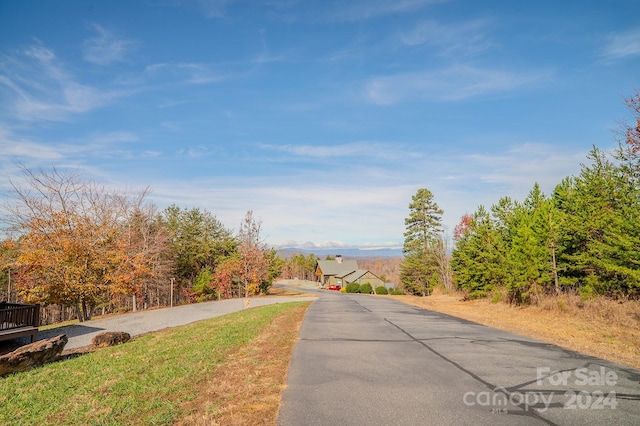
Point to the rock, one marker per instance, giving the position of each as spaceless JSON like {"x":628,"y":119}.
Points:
{"x":110,"y":338}
{"x":32,"y":355}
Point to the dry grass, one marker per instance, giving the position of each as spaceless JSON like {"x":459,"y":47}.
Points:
{"x":248,"y":389}
{"x":602,"y":328}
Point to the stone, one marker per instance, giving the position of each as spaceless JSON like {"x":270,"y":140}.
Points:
{"x":32,"y":355}
{"x":110,"y":338}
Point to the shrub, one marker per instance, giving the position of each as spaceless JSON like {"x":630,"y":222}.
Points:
{"x":396,"y":292}
{"x":366,"y":288}
{"x":382,"y":290}
{"x":353,"y":288}
{"x":497,"y":297}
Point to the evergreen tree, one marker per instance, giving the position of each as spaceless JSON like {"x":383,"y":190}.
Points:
{"x":423,"y":228}
{"x":479,"y":260}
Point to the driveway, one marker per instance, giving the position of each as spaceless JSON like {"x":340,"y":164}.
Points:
{"x":365,"y":360}
{"x":146,"y":321}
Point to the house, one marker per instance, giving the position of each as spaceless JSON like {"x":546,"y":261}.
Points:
{"x":342,"y":272}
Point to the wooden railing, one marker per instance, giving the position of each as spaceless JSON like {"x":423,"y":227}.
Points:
{"x":18,"y":320}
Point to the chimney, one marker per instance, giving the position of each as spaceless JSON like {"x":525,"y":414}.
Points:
{"x":339,"y":258}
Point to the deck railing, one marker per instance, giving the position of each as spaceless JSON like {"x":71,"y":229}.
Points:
{"x":16,"y":315}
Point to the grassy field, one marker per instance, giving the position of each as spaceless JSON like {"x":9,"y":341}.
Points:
{"x":227,"y":370}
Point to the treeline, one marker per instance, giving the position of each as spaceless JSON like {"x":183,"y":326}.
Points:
{"x":584,"y":237}
{"x":74,"y":244}
{"x":299,"y":266}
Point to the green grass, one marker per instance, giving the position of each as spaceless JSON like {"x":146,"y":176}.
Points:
{"x":142,"y":382}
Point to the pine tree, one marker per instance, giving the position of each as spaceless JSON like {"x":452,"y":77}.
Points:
{"x":423,"y":228}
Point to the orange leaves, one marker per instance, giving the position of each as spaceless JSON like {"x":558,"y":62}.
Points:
{"x":80,"y":243}
{"x":226,"y":275}
{"x":463,"y":227}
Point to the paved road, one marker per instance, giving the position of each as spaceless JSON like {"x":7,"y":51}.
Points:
{"x":367,"y":360}
{"x":146,"y":321}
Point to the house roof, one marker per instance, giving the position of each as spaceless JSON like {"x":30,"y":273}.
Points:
{"x":353,"y":276}
{"x":339,"y":269}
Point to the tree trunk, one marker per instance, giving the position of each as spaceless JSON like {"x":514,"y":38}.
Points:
{"x":87,"y":311}
{"x":80,"y":313}
{"x":554,"y":268}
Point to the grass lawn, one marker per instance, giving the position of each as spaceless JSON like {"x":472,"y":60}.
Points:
{"x":167,"y":377}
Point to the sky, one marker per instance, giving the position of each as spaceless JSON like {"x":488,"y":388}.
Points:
{"x":322,"y":117}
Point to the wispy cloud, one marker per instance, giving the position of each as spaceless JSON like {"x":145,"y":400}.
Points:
{"x":368,"y":9}
{"x":450,"y":84}
{"x":622,"y":45}
{"x":466,"y":38}
{"x":381,"y":150}
{"x":105,"y":48}
{"x":190,"y":73}
{"x":214,"y":8}
{"x":14,"y":147}
{"x":42,"y":89}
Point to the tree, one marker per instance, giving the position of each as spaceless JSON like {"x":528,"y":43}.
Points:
{"x":254,"y":263}
{"x":424,"y":222}
{"x":8,"y":256}
{"x":300,"y":266}
{"x":198,"y":240}
{"x":71,"y":249}
{"x":479,"y":259}
{"x":420,"y":247}
{"x":462,"y":227}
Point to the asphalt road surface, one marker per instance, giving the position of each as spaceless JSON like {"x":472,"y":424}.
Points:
{"x":365,"y":360}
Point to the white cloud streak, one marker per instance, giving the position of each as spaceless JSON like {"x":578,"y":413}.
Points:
{"x":105,"y":48}
{"x":40,"y":88}
{"x":369,"y":9}
{"x":622,"y":45}
{"x":368,"y":149}
{"x":460,"y":39}
{"x":451,"y":84}
{"x":190,"y":73}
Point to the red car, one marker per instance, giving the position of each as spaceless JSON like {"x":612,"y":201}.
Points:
{"x":334,"y":287}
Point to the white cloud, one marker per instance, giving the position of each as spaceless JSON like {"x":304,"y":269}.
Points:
{"x":369,"y":9}
{"x":105,"y":48}
{"x":369,"y":149}
{"x":214,"y":8}
{"x":190,"y":73}
{"x":460,"y":39}
{"x":450,"y":84}
{"x":14,"y":147}
{"x":112,"y":138}
{"x":622,"y":45}
{"x":40,"y":88}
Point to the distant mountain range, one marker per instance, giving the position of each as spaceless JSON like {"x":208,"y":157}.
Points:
{"x":287,"y":252}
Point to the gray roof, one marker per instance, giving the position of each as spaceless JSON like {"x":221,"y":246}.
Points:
{"x":333,"y":267}
{"x":352,"y":276}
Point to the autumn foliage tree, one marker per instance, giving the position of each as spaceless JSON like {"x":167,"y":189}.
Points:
{"x":75,"y":244}
{"x":252,"y":268}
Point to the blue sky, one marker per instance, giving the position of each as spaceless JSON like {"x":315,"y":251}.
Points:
{"x":323,"y":117}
